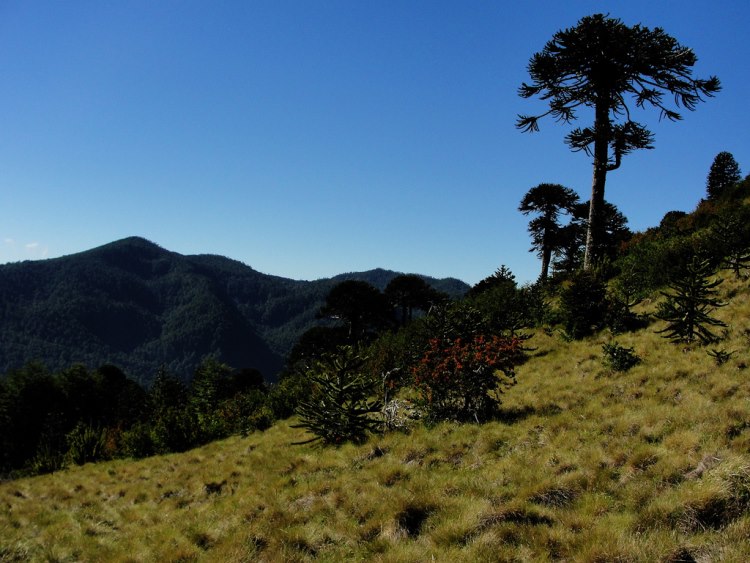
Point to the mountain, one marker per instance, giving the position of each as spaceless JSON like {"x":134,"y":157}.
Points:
{"x":136,"y":305}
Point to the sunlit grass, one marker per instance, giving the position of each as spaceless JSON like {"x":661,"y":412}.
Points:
{"x":585,"y":464}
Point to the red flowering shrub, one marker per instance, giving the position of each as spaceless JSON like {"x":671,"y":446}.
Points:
{"x":462,"y":379}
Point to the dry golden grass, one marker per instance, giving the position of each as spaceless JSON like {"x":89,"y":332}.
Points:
{"x":587,"y":465}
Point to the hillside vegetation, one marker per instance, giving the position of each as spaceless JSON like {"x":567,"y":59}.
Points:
{"x":140,"y":307}
{"x":584,"y":463}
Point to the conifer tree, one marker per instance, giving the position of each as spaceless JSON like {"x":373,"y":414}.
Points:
{"x":340,"y":408}
{"x":688,"y":308}
{"x":731,"y":233}
{"x":724,"y":173}
{"x":611,"y":68}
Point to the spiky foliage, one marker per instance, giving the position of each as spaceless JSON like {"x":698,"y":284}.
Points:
{"x":340,"y":408}
{"x":687,"y":309}
{"x":724,"y":173}
{"x":599,"y":64}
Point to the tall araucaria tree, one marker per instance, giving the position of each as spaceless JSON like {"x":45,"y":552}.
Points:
{"x":548,"y":200}
{"x":607,"y":66}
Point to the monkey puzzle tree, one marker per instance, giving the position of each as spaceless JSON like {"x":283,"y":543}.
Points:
{"x":408,"y":292}
{"x":548,"y":200}
{"x":597,"y":64}
{"x":362,"y":307}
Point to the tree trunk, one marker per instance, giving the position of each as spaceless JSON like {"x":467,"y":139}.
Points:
{"x":601,"y":161}
{"x":546,"y":258}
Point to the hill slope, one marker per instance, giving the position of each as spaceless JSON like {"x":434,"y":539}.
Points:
{"x":586,"y":465}
{"x":138,"y":306}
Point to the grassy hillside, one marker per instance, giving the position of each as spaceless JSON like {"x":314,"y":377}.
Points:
{"x":587,"y":464}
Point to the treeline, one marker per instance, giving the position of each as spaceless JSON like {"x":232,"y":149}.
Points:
{"x":50,"y":420}
{"x":77,"y":415}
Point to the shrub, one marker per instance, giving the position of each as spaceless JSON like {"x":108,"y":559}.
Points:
{"x":86,"y":444}
{"x":458,"y":379}
{"x":619,"y":358}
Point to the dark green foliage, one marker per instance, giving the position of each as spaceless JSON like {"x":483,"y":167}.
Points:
{"x":671,"y":223}
{"x":619,"y":358}
{"x":209,"y":389}
{"x":410,"y":292}
{"x":362,"y":308}
{"x":316,"y":342}
{"x":724,"y":173}
{"x":502,"y":279}
{"x":626,"y":291}
{"x":32,"y":424}
{"x":341,"y":407}
{"x":507,"y":308}
{"x":86,"y":444}
{"x":583,"y":305}
{"x":292,"y":387}
{"x":687,"y":309}
{"x":79,"y":416}
{"x":654,"y":259}
{"x":611,"y":234}
{"x":731,"y":236}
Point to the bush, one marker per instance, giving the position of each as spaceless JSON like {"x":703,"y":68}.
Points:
{"x":86,"y":444}
{"x":458,"y":379}
{"x":137,"y":441}
{"x":619,"y":358}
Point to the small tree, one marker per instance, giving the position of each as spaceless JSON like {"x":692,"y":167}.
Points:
{"x":724,"y":173}
{"x":687,"y":309}
{"x":731,"y":234}
{"x":340,"y":408}
{"x":583,"y":305}
{"x":548,"y":201}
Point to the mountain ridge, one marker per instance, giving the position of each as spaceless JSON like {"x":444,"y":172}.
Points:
{"x":137,"y":305}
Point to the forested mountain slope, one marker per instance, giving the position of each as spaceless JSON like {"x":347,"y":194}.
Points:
{"x":136,"y":305}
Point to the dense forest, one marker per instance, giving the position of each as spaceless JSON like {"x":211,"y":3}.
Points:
{"x":136,"y":305}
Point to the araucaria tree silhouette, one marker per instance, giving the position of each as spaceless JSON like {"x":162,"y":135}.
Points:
{"x":548,"y":200}
{"x":597,"y":64}
{"x":688,"y":307}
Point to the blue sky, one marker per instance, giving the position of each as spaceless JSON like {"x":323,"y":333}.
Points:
{"x":310,"y":138}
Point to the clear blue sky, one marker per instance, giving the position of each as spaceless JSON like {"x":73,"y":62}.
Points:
{"x":310,"y":138}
